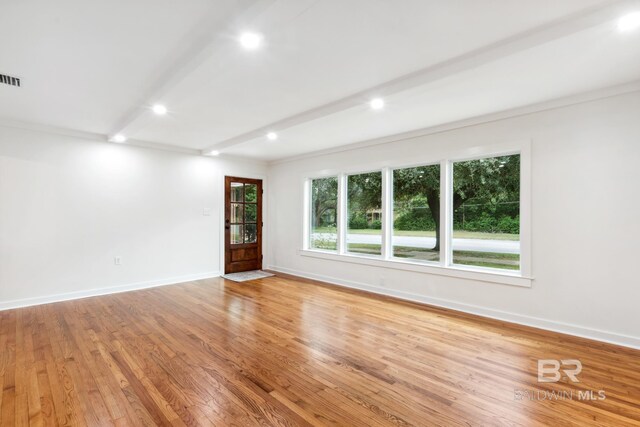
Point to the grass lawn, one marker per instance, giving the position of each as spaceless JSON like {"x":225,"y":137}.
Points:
{"x":456,"y":234}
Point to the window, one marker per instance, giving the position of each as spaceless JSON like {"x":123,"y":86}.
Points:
{"x":486,"y":212}
{"x":461,"y":216}
{"x":244,"y":213}
{"x":324,"y":214}
{"x":416,"y":213}
{"x":364,"y":213}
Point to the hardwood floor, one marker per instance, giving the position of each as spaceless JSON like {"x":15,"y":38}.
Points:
{"x":281,"y":351}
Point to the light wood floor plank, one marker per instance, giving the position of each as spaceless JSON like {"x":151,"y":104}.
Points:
{"x":285,"y":351}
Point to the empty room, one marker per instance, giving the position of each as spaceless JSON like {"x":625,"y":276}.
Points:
{"x":320,"y":213}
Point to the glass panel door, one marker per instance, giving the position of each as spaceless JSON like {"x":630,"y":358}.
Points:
{"x":244,"y":213}
{"x":243,"y":224}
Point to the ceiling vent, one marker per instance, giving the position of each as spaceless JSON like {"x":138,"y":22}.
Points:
{"x":9,"y":80}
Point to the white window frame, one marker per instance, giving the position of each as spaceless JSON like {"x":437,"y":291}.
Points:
{"x":445,"y":266}
{"x":390,"y":212}
{"x":306,"y":238}
{"x":342,"y":200}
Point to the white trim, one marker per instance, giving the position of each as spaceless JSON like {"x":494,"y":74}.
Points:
{"x":526,"y":212}
{"x":446,"y":214}
{"x":28,"y":302}
{"x":35,"y":127}
{"x":344,"y":230}
{"x":160,"y":146}
{"x":235,"y":158}
{"x":221,"y":218}
{"x":478,"y":274}
{"x":520,"y":147}
{"x":535,"y":322}
{"x":94,"y":137}
{"x":307,"y":212}
{"x":342,"y":222}
{"x":386,"y":250}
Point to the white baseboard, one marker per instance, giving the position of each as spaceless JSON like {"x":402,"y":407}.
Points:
{"x":550,"y":325}
{"x":27,"y":302}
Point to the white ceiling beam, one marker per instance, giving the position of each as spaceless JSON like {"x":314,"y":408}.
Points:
{"x":203,"y":42}
{"x":543,"y":34}
{"x":551,"y":104}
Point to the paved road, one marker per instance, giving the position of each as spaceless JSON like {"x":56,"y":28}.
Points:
{"x":501,"y":246}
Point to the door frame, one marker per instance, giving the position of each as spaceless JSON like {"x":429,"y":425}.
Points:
{"x":259,"y":219}
{"x":221,"y":214}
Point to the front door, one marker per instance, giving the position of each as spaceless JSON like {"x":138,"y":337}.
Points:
{"x":242,"y":224}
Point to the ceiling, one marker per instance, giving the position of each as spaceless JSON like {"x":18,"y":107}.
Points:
{"x":99,"y":66}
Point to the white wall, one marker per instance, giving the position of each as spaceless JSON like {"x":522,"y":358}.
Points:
{"x":585,"y":221}
{"x":69,"y":206}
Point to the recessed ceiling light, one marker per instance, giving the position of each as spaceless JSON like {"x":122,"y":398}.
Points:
{"x":377,"y":104}
{"x":251,"y":41}
{"x":272,"y":136}
{"x":629,"y":22}
{"x":159,"y":109}
{"x":214,"y":153}
{"x":119,"y":138}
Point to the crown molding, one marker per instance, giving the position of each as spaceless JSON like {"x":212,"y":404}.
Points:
{"x":97,"y":137}
{"x":91,"y":136}
{"x":53,"y":130}
{"x":160,"y":146}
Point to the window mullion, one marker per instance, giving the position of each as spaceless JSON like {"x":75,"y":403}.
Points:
{"x":446,"y":212}
{"x":387,"y":217}
{"x":342,"y":213}
{"x":306,"y":238}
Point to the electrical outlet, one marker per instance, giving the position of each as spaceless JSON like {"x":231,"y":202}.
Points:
{"x":117,"y":260}
{"x":206,"y":212}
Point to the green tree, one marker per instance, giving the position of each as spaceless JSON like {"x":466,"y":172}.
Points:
{"x":485,"y":181}
{"x":425,"y":181}
{"x":492,"y":180}
{"x":324,"y":199}
{"x":364,"y":192}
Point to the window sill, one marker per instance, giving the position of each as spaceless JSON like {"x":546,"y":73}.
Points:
{"x":462,"y":272}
